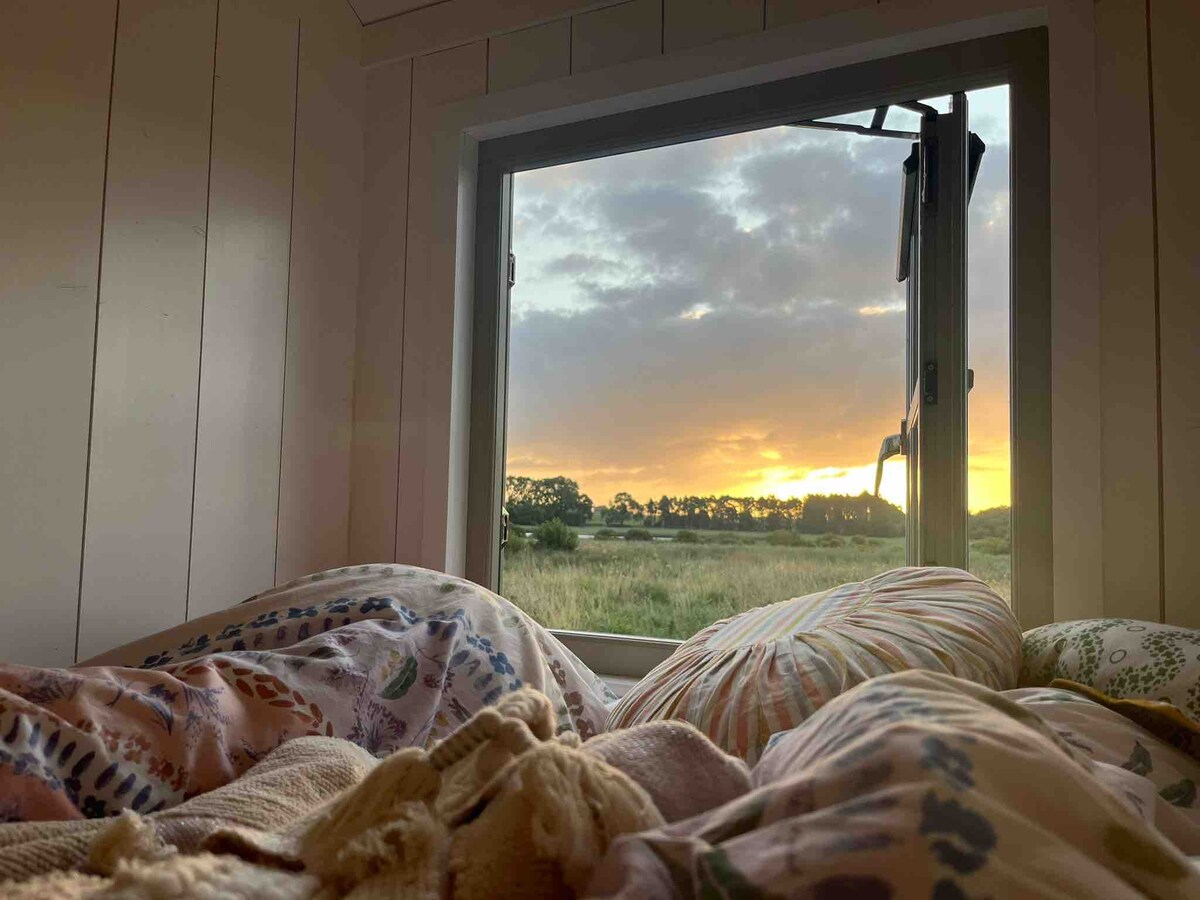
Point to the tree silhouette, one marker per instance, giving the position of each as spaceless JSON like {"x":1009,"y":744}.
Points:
{"x":531,"y":501}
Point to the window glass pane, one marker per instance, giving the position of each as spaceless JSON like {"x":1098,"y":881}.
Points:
{"x":862,"y":117}
{"x":989,"y":448}
{"x":707,"y":347}
{"x":902,"y":119}
{"x":703,"y":336}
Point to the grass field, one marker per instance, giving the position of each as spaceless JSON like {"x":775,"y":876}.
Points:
{"x":665,"y":589}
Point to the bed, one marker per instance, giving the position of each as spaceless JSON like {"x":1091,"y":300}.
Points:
{"x":902,"y":738}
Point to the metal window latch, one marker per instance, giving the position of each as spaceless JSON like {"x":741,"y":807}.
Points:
{"x":893,"y":445}
{"x":929,"y":383}
{"x":512,"y":269}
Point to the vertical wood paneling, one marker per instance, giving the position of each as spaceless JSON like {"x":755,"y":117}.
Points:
{"x":690,"y":23}
{"x":245,"y":305}
{"x":148,"y":335}
{"x":314,"y":483}
{"x":1032,"y":310}
{"x":1174,"y":33}
{"x":438,"y":79}
{"x":55,"y":75}
{"x":789,"y":12}
{"x":615,"y":35}
{"x":1075,"y":314}
{"x":380,"y":324}
{"x":532,"y":54}
{"x":1128,"y":368}
{"x":373,"y":10}
{"x":451,"y":24}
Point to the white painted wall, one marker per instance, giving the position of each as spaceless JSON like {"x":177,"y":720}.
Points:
{"x":180,"y":186}
{"x":1107,"y":497}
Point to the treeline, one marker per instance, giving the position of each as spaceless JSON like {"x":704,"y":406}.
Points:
{"x":531,"y":501}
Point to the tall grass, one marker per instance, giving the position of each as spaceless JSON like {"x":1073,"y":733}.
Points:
{"x":674,"y":589}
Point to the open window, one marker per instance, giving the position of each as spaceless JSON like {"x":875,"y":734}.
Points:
{"x":565,"y":403}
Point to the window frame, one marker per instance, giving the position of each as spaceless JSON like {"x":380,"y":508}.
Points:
{"x":1019,"y":59}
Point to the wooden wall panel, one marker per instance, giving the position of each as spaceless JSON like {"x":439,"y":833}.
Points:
{"x":425,"y":451}
{"x":540,"y":53}
{"x":245,"y":305}
{"x":616,"y":34}
{"x":1174,"y":33}
{"x":1075,"y":314}
{"x":457,"y":23}
{"x":789,"y":12}
{"x":1128,"y":368}
{"x":380,"y":325}
{"x":148,"y":336}
{"x":314,"y":482}
{"x":55,"y":76}
{"x":374,"y":10}
{"x":690,"y":23}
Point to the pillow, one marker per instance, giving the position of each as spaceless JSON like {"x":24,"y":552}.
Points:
{"x":1123,"y":658}
{"x":743,"y":679}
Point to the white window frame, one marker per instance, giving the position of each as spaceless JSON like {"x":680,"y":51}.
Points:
{"x":1018,"y":59}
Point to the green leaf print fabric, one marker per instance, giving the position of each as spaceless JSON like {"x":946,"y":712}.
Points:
{"x":1123,"y":658}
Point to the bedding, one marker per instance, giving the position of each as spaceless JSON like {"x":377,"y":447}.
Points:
{"x":272,"y":795}
{"x":231,"y":732}
{"x":915,"y":784}
{"x":1124,"y":658}
{"x":383,"y":656}
{"x":1165,"y":791}
{"x":765,"y":671}
{"x":912,"y":785}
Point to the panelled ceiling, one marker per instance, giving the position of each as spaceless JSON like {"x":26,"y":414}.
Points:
{"x":373,"y":10}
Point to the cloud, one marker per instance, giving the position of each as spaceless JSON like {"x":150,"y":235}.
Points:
{"x":689,"y":310}
{"x":580,"y":264}
{"x":885,"y":309}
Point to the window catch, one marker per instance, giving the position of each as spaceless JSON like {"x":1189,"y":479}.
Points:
{"x":929,"y":383}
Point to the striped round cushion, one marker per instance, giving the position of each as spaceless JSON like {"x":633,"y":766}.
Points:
{"x":764,"y":671}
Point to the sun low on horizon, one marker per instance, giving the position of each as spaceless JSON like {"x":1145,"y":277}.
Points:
{"x":988,"y":483}
{"x":722,"y":317}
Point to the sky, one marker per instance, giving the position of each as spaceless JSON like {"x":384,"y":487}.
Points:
{"x":723,"y":317}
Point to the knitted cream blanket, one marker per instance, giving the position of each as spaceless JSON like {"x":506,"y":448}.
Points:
{"x":502,"y":794}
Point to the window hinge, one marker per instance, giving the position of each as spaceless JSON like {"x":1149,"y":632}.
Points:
{"x":512,"y":269}
{"x":929,"y":391}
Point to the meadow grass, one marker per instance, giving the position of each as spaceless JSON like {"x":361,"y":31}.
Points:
{"x":665,"y":589}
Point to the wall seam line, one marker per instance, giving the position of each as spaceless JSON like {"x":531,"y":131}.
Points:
{"x":406,"y":12}
{"x":1162,"y":534}
{"x":212,"y":104}
{"x":87,"y":467}
{"x":287,"y":303}
{"x":412,"y":78}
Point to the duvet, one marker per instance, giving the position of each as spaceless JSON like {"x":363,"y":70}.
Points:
{"x":383,"y":656}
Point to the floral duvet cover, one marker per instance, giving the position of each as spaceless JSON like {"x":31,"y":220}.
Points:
{"x":384,"y":656}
